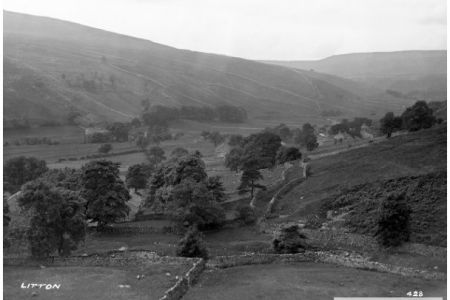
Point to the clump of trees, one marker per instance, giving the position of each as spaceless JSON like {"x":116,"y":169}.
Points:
{"x":19,"y":170}
{"x":286,"y":154}
{"x":257,"y":151}
{"x":393,"y":226}
{"x":181,"y":188}
{"x":417,"y":117}
{"x":178,"y":152}
{"x":290,"y":240}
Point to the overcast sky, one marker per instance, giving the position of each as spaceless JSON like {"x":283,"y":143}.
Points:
{"x":261,"y":29}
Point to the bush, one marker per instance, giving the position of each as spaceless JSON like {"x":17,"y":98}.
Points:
{"x":105,"y":148}
{"x":290,"y":240}
{"x":393,"y":220}
{"x":192,"y":245}
{"x":313,"y":222}
{"x":247,"y":215}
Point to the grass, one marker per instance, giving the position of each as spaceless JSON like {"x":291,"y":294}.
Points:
{"x":407,"y":155}
{"x":305,"y":281}
{"x":91,"y":282}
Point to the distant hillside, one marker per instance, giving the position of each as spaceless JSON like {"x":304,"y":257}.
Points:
{"x":419,"y":74}
{"x":54,"y":68}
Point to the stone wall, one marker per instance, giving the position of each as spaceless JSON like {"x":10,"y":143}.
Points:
{"x":109,"y":259}
{"x":184,"y":283}
{"x":343,"y":259}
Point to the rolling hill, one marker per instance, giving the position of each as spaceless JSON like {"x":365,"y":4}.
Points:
{"x":53,"y":68}
{"x":416,"y":74}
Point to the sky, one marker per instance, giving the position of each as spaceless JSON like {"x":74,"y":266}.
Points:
{"x":261,"y":29}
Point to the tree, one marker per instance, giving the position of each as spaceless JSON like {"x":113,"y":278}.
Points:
{"x":419,"y":116}
{"x":235,"y":140}
{"x":67,"y":178}
{"x":6,"y":221}
{"x":390,"y":123}
{"x":261,"y":148}
{"x":393,"y":220}
{"x":233,"y":159}
{"x":306,"y":137}
{"x":138,"y":175}
{"x":192,"y":245}
{"x":290,"y":240}
{"x":178,"y":152}
{"x":282,"y":131}
{"x":57,"y":220}
{"x":105,"y":193}
{"x":247,"y":215}
{"x":215,"y":185}
{"x":250,"y":177}
{"x":215,"y":137}
{"x":20,"y":170}
{"x":105,"y":148}
{"x":230,"y":113}
{"x":286,"y":154}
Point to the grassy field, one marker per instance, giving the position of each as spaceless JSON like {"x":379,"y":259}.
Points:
{"x":407,"y":155}
{"x":305,"y":281}
{"x":88,"y":283}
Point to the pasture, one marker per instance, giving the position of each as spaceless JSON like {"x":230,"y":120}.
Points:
{"x":78,"y":283}
{"x":305,"y":281}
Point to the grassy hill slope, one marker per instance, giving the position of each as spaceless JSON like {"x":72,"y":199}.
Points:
{"x":413,"y":154}
{"x":53,"y":67}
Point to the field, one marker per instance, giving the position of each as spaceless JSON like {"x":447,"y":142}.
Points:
{"x":99,"y":283}
{"x":406,"y":155}
{"x":305,"y":281}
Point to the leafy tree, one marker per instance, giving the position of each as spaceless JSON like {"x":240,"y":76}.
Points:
{"x":286,"y":154}
{"x":105,"y":148}
{"x":67,"y":178}
{"x":135,"y":123}
{"x":235,"y":140}
{"x":104,"y":191}
{"x":233,"y":159}
{"x":138,"y":175}
{"x":215,"y":137}
{"x":6,"y":221}
{"x":419,"y":116}
{"x":393,"y":220}
{"x":390,"y":123}
{"x":180,"y":187}
{"x":179,"y":151}
{"x":192,"y":245}
{"x":57,"y":220}
{"x":250,"y":177}
{"x":307,"y":138}
{"x":215,"y":185}
{"x":261,"y":148}
{"x":282,"y":131}
{"x":19,"y":170}
{"x":290,"y":240}
{"x":100,"y":137}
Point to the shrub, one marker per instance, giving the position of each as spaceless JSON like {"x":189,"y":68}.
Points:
{"x":105,"y":148}
{"x":247,"y":215}
{"x":290,"y":240}
{"x":192,"y":245}
{"x":313,"y":222}
{"x":393,"y":220}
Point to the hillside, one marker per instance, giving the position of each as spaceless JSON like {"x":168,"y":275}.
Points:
{"x":414,"y":154}
{"x":418,"y":74}
{"x":54,"y":68}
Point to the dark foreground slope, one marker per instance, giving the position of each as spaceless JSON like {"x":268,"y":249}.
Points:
{"x":53,"y":67}
{"x":357,"y":179}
